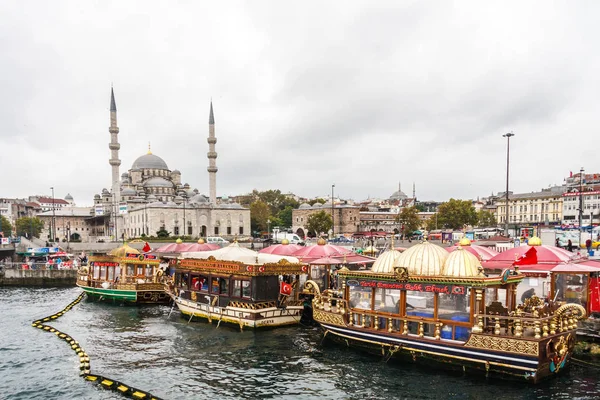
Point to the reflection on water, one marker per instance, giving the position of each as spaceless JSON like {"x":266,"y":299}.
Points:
{"x":175,"y":359}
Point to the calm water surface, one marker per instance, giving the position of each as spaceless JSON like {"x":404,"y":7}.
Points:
{"x":145,"y":348}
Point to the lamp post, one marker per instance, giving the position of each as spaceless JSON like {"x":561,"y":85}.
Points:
{"x":580,"y":202}
{"x":268,"y":229}
{"x":53,"y":217}
{"x":184,"y":225}
{"x":507,"y":136}
{"x":332,"y":216}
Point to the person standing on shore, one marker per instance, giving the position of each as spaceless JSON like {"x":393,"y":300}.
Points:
{"x":570,"y":245}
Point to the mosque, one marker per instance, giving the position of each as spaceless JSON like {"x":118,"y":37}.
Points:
{"x":150,"y":197}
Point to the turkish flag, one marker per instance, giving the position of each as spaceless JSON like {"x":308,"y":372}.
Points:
{"x":286,"y":289}
{"x":146,"y":248}
{"x":529,"y":258}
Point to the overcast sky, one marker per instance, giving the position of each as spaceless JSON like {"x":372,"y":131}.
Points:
{"x":307,"y":94}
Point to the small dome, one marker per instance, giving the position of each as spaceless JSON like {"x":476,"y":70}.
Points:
{"x":464,"y":242}
{"x":534,"y":241}
{"x":158,"y":182}
{"x":179,"y":241}
{"x":124,"y":175}
{"x":317,"y":205}
{"x":152,"y":197}
{"x":176,"y":172}
{"x":398,"y":195}
{"x":285,"y":242}
{"x":385,"y":262}
{"x":321,"y":242}
{"x":461,"y":264}
{"x":200,"y":241}
{"x":96,"y":196}
{"x":423,"y":259}
{"x":149,"y":161}
{"x":68,"y":197}
{"x":198,"y":198}
{"x":304,"y":206}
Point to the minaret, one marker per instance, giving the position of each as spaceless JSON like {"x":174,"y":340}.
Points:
{"x":114,"y":161}
{"x":212,"y":158}
{"x":414,"y":193}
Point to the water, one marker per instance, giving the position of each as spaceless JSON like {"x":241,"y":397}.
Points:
{"x":144,"y":348}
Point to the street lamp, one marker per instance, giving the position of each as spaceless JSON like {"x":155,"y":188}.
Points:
{"x":507,"y":136}
{"x":332,"y":217}
{"x":580,"y":201}
{"x":53,"y":217}
{"x":268,"y":228}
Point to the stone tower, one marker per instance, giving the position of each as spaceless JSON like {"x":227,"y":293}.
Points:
{"x":114,"y":161}
{"x":212,"y":158}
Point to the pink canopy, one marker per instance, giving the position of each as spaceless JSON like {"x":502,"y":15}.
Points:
{"x":321,"y":249}
{"x":581,"y":268}
{"x":481,"y":252}
{"x":283,"y":249}
{"x":547,"y":256}
{"x":185,"y":247}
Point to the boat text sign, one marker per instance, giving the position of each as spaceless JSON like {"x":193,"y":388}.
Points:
{"x":211,"y":265}
{"x":417,"y":287}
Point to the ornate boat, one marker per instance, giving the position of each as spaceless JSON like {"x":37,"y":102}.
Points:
{"x":433,"y":307}
{"x":124,"y":275}
{"x":239,"y":286}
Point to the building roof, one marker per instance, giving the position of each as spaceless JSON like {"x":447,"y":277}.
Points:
{"x":149,"y":161}
{"x":67,"y":212}
{"x":157,"y":181}
{"x":48,"y":200}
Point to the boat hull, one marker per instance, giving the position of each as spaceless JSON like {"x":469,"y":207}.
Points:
{"x":243,"y":318}
{"x":449,"y":354}
{"x":134,"y":296}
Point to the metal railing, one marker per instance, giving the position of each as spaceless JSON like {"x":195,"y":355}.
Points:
{"x":35,"y":265}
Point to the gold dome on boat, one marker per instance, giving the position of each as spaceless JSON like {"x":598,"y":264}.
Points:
{"x":461,"y":264}
{"x":123,"y":250}
{"x":423,"y":259}
{"x":322,"y":242}
{"x":385,"y":262}
{"x":200,"y":241}
{"x":534,"y":241}
{"x":464,"y":242}
{"x":179,"y":241}
{"x":285,"y":241}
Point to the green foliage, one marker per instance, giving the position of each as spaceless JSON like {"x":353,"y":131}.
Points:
{"x":285,"y":216}
{"x":5,"y":226}
{"x":409,"y":218}
{"x":319,"y":222}
{"x":486,"y":219}
{"x":315,"y":201}
{"x":163,"y":233}
{"x":420,"y":207}
{"x":259,"y":214}
{"x":456,"y":214}
{"x":29,"y":226}
{"x":432,"y":223}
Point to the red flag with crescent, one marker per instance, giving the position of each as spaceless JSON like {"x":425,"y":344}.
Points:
{"x":286,"y":289}
{"x":529,"y":258}
{"x":146,"y":247}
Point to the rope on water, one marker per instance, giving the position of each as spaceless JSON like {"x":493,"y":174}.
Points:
{"x":84,"y":359}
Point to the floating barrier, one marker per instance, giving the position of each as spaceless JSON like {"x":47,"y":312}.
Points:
{"x":84,"y":359}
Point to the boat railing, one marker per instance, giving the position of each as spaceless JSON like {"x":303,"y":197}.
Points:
{"x":518,"y":325}
{"x":35,"y":266}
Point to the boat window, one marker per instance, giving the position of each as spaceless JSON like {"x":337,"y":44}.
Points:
{"x":149,"y":270}
{"x":360,"y":297}
{"x":223,"y":286}
{"x":387,"y":300}
{"x":140,"y":270}
{"x":102,"y":272}
{"x":111,"y":273}
{"x":183,"y":280}
{"x":214,"y":286}
{"x":246,"y":292}
{"x":318,"y":274}
{"x":454,"y":307}
{"x":571,"y":288}
{"x":420,"y":305}
{"x":118,"y":271}
{"x":96,"y":272}
{"x":130,"y":270}
{"x":495,"y":295}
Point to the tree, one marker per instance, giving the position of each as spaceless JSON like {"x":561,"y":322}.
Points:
{"x":456,"y":214}
{"x":432,"y":223}
{"x":285,"y":216}
{"x":5,"y":227}
{"x":409,"y":218}
{"x":259,"y":214}
{"x":486,"y":219}
{"x":163,"y":233}
{"x":29,"y":226}
{"x":319,"y":222}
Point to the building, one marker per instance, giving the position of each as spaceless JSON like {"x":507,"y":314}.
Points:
{"x":529,"y":211}
{"x":582,"y":193}
{"x":346,"y":218}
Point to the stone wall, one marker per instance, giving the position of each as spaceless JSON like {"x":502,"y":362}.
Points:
{"x":43,"y":278}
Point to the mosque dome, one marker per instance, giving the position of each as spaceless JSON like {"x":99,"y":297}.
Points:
{"x":176,"y":172}
{"x":317,"y":205}
{"x":385,"y":262}
{"x":199,"y":199}
{"x":398,"y":195}
{"x":304,"y":206}
{"x":157,"y":181}
{"x":149,"y":161}
{"x":461,"y":264}
{"x":423,"y":259}
{"x":128,"y":192}
{"x":68,"y":197}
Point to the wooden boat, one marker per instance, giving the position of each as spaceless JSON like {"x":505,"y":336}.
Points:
{"x":124,"y":275}
{"x":431,"y":307}
{"x":239,"y":286}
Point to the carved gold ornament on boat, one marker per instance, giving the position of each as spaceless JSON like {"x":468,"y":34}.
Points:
{"x":503,"y":344}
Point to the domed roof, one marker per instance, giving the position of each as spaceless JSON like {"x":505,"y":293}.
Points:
{"x":423,"y":259}
{"x":123,"y":250}
{"x":199,"y":199}
{"x":317,"y":205}
{"x":464,"y":242}
{"x":128,"y":192}
{"x":385,"y":262}
{"x":461,"y":264}
{"x":149,"y":161}
{"x":534,"y":241}
{"x":398,"y":195}
{"x":304,"y":206}
{"x":176,"y":172}
{"x":157,"y":181}
{"x":68,"y":197}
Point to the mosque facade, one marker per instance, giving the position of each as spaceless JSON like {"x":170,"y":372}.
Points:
{"x":150,"y":197}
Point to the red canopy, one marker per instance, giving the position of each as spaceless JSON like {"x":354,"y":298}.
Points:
{"x":481,"y":252}
{"x":321,"y":249}
{"x":283,"y":249}
{"x":582,"y":267}
{"x":546,"y":256}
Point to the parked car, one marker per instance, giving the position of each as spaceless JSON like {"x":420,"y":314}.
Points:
{"x":217,"y":240}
